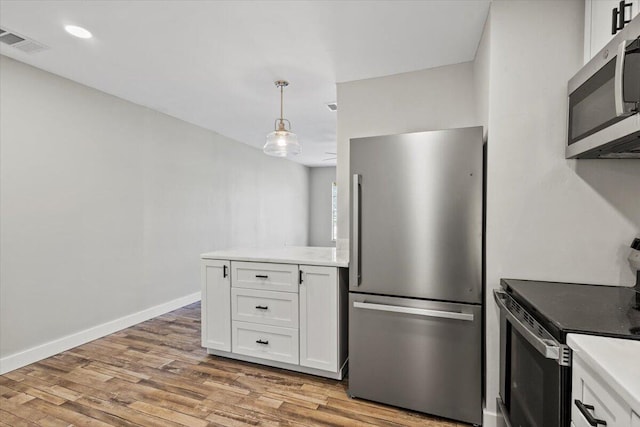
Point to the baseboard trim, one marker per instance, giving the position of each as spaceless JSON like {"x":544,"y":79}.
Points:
{"x":490,"y":419}
{"x":34,"y":354}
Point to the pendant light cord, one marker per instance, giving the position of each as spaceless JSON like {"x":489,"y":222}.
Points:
{"x":281,"y":103}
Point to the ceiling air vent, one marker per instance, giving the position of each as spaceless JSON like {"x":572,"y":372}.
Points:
{"x":20,"y":42}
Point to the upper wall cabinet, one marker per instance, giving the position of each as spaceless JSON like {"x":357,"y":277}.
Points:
{"x":598,"y":23}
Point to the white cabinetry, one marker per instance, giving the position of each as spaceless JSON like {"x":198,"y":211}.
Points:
{"x":319,"y":318}
{"x":278,"y":314}
{"x":598,"y":23}
{"x":605,"y":381}
{"x":216,"y":304}
{"x":592,"y":397}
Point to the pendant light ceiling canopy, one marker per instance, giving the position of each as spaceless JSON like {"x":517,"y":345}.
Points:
{"x":282,"y":142}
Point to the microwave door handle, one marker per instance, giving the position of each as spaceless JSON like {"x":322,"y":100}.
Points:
{"x":618,"y":81}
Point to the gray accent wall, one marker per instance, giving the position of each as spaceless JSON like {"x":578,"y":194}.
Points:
{"x":320,"y":181}
{"x":107,"y":205}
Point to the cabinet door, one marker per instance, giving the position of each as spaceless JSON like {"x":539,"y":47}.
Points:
{"x":216,"y":304}
{"x":319,"y":298}
{"x":598,"y":23}
{"x":592,"y":395}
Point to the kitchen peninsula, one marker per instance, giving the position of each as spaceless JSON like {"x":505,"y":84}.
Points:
{"x":282,"y":307}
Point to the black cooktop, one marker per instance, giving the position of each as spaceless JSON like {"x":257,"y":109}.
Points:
{"x":564,"y":308}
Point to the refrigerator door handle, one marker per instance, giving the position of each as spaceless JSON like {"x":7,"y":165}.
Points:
{"x":416,"y":311}
{"x":356,"y":228}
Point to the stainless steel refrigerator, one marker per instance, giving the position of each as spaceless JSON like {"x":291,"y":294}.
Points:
{"x":415,"y":275}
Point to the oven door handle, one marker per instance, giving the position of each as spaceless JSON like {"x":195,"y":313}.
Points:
{"x":548,"y":348}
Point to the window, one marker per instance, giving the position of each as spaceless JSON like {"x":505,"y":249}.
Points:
{"x":334,"y":211}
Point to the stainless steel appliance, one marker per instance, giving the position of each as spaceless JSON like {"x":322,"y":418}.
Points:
{"x":604,"y":101}
{"x":535,"y":375}
{"x":415,"y":302}
{"x":535,"y":362}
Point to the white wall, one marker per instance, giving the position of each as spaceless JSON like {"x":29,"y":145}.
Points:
{"x":437,"y":98}
{"x":548,"y":218}
{"x":320,"y":181}
{"x":106,"y":206}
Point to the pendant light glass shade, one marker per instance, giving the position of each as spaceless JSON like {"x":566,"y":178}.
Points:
{"x":282,"y":142}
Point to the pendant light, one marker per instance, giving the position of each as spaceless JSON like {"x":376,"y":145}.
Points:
{"x":282,"y":142}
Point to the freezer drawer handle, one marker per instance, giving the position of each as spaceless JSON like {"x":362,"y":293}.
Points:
{"x":584,"y":410}
{"x":261,"y":276}
{"x":262,"y":342}
{"x":417,"y":311}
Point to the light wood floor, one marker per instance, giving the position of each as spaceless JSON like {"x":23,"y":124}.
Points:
{"x":156,"y":374}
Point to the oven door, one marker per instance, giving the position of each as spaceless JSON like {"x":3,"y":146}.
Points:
{"x":534,"y":379}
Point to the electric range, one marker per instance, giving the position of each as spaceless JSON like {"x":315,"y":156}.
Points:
{"x":535,"y":362}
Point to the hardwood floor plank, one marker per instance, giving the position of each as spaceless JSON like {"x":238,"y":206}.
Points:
{"x":157,"y":374}
{"x":61,"y":412}
{"x":117,"y":372}
{"x":50,"y":421}
{"x":21,"y":411}
{"x":106,"y":417}
{"x":124,"y":412}
{"x":167,"y":414}
{"x":11,"y":419}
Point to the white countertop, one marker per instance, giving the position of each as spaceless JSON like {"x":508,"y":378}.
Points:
{"x":306,"y":255}
{"x":616,"y":360}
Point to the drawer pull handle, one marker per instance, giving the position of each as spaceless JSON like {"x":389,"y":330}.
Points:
{"x":584,"y":410}
{"x":262,"y":342}
{"x":262,"y":307}
{"x":262,"y":276}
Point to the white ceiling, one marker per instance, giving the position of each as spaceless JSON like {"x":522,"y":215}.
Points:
{"x":213,"y":63}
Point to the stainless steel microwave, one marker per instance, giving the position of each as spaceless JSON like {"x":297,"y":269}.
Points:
{"x":604,"y":101}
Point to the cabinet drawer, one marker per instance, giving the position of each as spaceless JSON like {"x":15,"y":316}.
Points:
{"x":593,"y":391}
{"x":264,"y":276}
{"x":265,"y":307}
{"x":266,"y":342}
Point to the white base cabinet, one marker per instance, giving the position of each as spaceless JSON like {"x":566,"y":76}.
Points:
{"x":593,"y":397}
{"x":319,"y":332}
{"x":216,"y":304}
{"x":605,"y":386}
{"x":284,"y":315}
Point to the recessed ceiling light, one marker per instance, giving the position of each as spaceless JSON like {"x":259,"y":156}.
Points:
{"x":78,"y":31}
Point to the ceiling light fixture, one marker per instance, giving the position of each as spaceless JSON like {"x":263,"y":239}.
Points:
{"x":79,"y":32}
{"x":282,"y":142}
